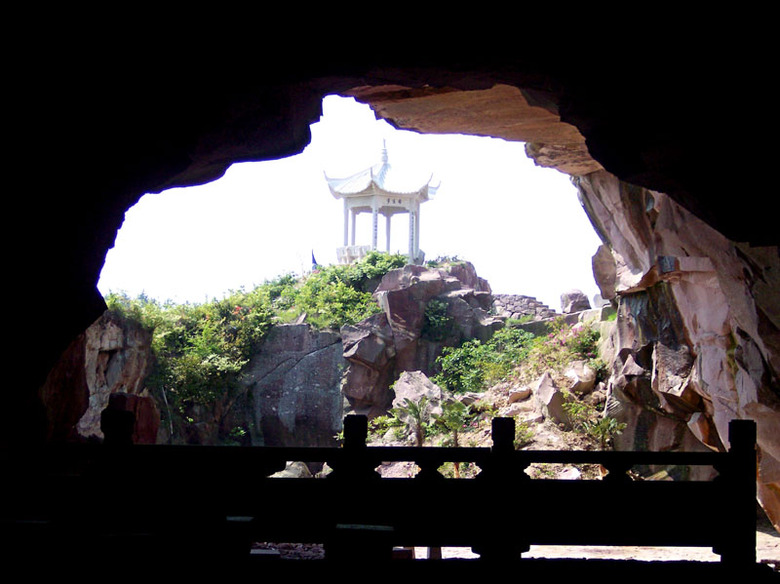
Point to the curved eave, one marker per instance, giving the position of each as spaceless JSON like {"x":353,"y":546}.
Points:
{"x":375,"y":189}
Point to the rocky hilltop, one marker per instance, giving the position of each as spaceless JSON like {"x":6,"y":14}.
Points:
{"x":301,"y":382}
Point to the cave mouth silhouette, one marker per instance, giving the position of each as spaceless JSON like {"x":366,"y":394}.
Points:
{"x":496,"y":207}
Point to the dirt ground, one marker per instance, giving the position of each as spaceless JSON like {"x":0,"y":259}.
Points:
{"x":767,"y":552}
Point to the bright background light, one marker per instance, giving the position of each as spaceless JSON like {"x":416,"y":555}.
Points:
{"x":520,"y":225}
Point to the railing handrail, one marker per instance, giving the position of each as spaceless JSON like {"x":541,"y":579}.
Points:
{"x":272,"y":456}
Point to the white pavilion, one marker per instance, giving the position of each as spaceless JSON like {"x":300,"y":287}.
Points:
{"x":380,"y":190}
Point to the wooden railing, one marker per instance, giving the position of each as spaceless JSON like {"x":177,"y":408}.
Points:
{"x":223,"y":498}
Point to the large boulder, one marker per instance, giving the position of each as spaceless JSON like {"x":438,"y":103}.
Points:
{"x":581,"y":376}
{"x":369,"y":348}
{"x":551,"y":400}
{"x":414,"y":385}
{"x":574,"y":301}
{"x":604,"y":271}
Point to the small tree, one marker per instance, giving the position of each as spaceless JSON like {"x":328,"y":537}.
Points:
{"x":604,"y":430}
{"x":455,"y":415}
{"x":416,"y":415}
{"x":588,"y":420}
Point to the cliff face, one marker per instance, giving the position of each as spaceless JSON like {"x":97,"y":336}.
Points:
{"x":697,"y":340}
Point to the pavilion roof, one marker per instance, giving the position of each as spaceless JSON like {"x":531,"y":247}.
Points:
{"x":382,"y":179}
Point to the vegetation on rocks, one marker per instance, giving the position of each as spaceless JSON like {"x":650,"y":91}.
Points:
{"x":200,"y":350}
{"x":341,"y":294}
{"x":512,"y":357}
{"x":513,"y":353}
{"x":560,"y":346}
{"x":475,"y":366}
{"x":436,"y":324}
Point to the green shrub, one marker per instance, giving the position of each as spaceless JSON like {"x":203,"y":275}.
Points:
{"x":524,"y":435}
{"x":416,"y":416}
{"x":380,"y":425}
{"x":199,"y":350}
{"x":473,"y":366}
{"x":342,"y":294}
{"x":604,"y":429}
{"x":453,"y":420}
{"x":333,"y":303}
{"x":443,"y":261}
{"x":436,"y":324}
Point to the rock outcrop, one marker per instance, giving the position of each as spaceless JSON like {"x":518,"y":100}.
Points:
{"x":697,"y":341}
{"x":399,"y":338}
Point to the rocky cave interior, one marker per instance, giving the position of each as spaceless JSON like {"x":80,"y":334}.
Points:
{"x":150,"y":122}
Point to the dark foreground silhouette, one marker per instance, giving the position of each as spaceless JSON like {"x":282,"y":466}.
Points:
{"x":124,"y":508}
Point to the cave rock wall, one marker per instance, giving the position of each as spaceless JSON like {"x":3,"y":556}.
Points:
{"x":697,"y":340}
{"x":110,"y":359}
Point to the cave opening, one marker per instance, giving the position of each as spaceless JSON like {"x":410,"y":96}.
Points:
{"x":519,"y":224}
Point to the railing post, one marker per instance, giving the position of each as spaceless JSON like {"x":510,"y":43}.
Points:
{"x":503,"y":435}
{"x":503,"y":464}
{"x":352,"y":538}
{"x":500,"y":474}
{"x":355,"y":432}
{"x":739,"y":543}
{"x":353,"y":462}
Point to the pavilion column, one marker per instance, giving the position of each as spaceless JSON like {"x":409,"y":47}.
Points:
{"x":387,"y":231}
{"x":346,"y":223}
{"x":374,"y":229}
{"x":412,"y":235}
{"x":417,"y":231}
{"x":354,"y":224}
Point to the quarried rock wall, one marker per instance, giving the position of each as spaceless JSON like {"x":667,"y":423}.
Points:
{"x":294,"y":387}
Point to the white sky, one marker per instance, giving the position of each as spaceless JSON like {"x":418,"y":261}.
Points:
{"x":520,"y":225}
